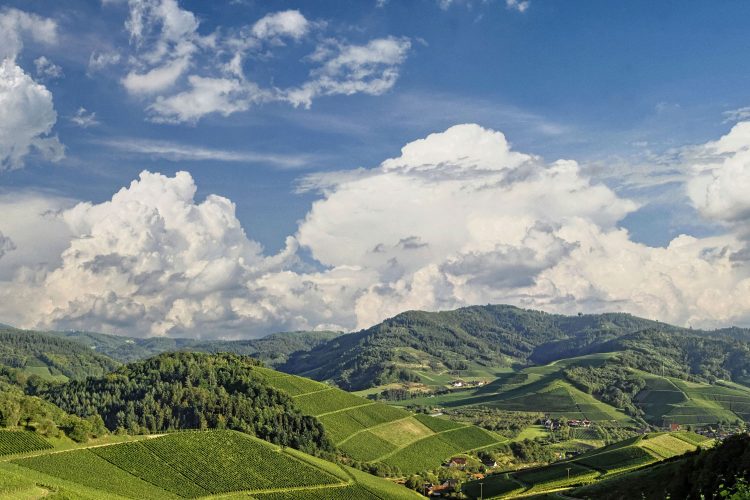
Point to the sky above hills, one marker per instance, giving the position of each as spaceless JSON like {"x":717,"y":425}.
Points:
{"x":227,"y":169}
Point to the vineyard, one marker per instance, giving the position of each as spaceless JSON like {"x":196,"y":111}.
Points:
{"x":12,"y":442}
{"x":197,"y":464}
{"x":374,"y":432}
{"x":630,"y":454}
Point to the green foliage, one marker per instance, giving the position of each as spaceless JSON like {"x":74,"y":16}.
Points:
{"x":506,"y":423}
{"x":33,"y":413}
{"x":709,"y":473}
{"x":489,"y":336}
{"x":492,"y":486}
{"x":12,"y":442}
{"x":610,"y":383}
{"x":50,"y":357}
{"x":192,"y":391}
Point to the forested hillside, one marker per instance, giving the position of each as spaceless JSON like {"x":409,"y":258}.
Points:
{"x":50,"y":357}
{"x":701,"y":474}
{"x":191,"y":391}
{"x":498,"y":336}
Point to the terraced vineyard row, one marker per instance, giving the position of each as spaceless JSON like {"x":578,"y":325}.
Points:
{"x":197,"y":464}
{"x":12,"y":442}
{"x":629,"y":454}
{"x":370,"y":431}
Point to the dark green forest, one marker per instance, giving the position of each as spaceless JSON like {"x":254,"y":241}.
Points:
{"x":178,"y":391}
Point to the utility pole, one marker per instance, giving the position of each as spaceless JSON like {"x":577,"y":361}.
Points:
{"x":481,"y":491}
{"x":568,"y":469}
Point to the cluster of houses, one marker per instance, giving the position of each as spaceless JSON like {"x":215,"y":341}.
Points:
{"x":448,"y":487}
{"x":556,"y":423}
{"x":720,"y":434}
{"x":471,"y":383}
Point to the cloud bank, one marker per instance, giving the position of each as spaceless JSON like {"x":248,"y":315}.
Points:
{"x":458,"y":218}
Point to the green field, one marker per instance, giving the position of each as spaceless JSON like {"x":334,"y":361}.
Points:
{"x":12,"y":442}
{"x":538,"y":389}
{"x":627,"y":455}
{"x":667,"y":400}
{"x":189,"y":465}
{"x":369,"y":431}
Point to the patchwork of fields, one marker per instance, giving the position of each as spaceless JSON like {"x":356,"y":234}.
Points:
{"x":374,"y":432}
{"x":666,"y":400}
{"x":623,"y":456}
{"x":542,"y":389}
{"x":191,"y":465}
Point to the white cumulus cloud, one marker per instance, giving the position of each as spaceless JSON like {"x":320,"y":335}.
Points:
{"x":183,"y":72}
{"x":27,"y":113}
{"x":458,"y":218}
{"x":27,"y":116}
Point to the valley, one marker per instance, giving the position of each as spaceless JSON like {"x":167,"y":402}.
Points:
{"x":535,"y":415}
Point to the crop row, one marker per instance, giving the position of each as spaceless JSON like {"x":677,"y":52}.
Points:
{"x":555,"y":476}
{"x":621,"y":458}
{"x":437,"y":424}
{"x":223,"y":461}
{"x":328,"y":401}
{"x":666,"y":445}
{"x":366,"y":446}
{"x":21,"y":442}
{"x":296,"y":386}
{"x":141,"y":462}
{"x":86,"y":468}
{"x":430,"y":452}
{"x":343,"y":424}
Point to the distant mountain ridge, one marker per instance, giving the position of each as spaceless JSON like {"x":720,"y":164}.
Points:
{"x":505,"y":336}
{"x":271,"y":349}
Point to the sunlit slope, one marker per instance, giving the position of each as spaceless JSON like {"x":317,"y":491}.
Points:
{"x":541,"y":389}
{"x":668,"y":400}
{"x":374,"y":432}
{"x":596,"y":465}
{"x":190,"y":465}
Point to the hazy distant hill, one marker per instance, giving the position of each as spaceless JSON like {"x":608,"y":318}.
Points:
{"x":272,"y":349}
{"x":50,"y":357}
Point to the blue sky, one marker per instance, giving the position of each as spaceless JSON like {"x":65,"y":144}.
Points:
{"x":628,"y":90}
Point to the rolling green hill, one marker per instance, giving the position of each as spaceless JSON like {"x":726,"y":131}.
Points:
{"x":597,"y":465}
{"x":539,"y":389}
{"x":473,"y":338}
{"x":369,"y":431}
{"x":50,"y":357}
{"x":183,"y":390}
{"x":190,"y":465}
{"x":696,"y":475}
{"x":483,"y":341}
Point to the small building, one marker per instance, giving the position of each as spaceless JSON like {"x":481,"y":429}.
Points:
{"x":457,"y":383}
{"x":489,"y":463}
{"x":674,"y":427}
{"x":586,"y":423}
{"x":459,"y":462}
